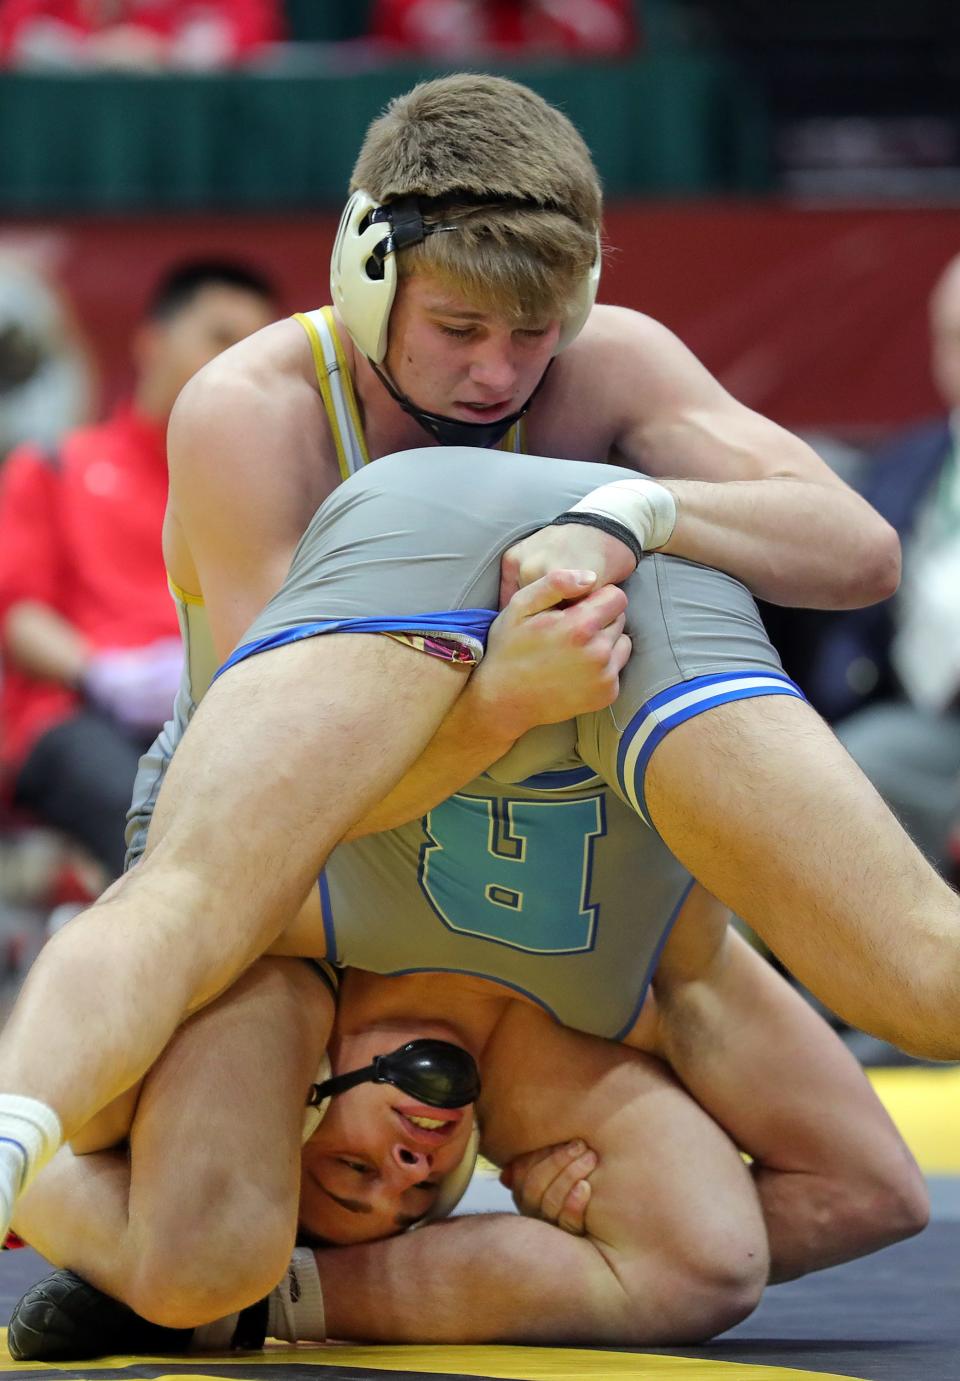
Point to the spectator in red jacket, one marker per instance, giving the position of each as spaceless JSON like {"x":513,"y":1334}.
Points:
{"x":136,"y":33}
{"x":464,"y":28}
{"x":89,"y":634}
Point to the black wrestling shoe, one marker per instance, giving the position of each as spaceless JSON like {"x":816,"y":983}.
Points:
{"x":62,"y":1318}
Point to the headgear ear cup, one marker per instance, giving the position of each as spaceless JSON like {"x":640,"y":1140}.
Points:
{"x":364,"y":284}
{"x":455,"y":1184}
{"x":362,"y":287}
{"x":582,"y":304}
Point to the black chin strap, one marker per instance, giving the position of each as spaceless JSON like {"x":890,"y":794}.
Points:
{"x":449,"y":431}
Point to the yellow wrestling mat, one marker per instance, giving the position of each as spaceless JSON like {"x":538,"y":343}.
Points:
{"x":333,"y":1361}
{"x":925,"y":1105}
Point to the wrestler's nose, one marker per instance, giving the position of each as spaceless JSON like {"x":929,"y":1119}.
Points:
{"x":493,"y":368}
{"x":412,"y":1164}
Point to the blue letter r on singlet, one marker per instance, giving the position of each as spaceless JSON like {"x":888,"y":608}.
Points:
{"x":514,"y":872}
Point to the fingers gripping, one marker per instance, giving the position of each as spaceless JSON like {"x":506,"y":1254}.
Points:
{"x":551,"y":1184}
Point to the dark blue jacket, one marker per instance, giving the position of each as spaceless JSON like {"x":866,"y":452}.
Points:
{"x":897,"y":480}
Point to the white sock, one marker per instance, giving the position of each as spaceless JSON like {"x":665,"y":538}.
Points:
{"x":30,"y":1134}
{"x":296,"y":1305}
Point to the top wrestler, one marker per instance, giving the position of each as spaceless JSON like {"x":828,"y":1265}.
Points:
{"x":510,"y":217}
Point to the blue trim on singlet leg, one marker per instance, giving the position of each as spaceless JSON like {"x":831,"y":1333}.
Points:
{"x":654,"y":961}
{"x":326,"y":914}
{"x":560,"y":780}
{"x":687,"y":699}
{"x":473,"y":623}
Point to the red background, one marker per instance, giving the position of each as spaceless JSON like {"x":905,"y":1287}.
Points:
{"x":816,"y":317}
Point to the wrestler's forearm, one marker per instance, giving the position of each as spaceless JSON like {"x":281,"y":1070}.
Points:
{"x":470,"y":738}
{"x":479,"y":1279}
{"x":790,"y":541}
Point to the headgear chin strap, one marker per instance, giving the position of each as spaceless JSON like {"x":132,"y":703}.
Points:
{"x":450,"y":431}
{"x":363,"y":283}
{"x":438,"y":1073}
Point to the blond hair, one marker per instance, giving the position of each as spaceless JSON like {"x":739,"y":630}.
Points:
{"x":506,"y":169}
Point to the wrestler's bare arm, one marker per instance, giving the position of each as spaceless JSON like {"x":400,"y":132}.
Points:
{"x":544,"y":661}
{"x":761,"y":803}
{"x":834,"y":1177}
{"x":250,"y":462}
{"x":783,"y":523}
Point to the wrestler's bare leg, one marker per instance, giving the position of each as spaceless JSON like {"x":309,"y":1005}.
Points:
{"x":200,"y":1213}
{"x":761,"y":803}
{"x":285,"y":752}
{"x":834,"y":1176}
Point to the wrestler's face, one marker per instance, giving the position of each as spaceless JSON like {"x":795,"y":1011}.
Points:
{"x":451,"y":357}
{"x":372,"y":1169}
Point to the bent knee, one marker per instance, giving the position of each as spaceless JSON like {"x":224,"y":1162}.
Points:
{"x":194,"y":1278}
{"x":697,"y":1299}
{"x":896,"y":1210}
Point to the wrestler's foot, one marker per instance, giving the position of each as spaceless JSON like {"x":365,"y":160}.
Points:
{"x":62,"y":1318}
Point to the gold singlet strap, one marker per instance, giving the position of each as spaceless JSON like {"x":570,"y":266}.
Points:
{"x":336,"y":390}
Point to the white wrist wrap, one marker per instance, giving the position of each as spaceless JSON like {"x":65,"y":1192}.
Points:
{"x":296,"y":1305}
{"x":645,"y":507}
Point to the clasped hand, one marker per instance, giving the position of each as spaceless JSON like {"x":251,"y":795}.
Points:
{"x":555,"y":651}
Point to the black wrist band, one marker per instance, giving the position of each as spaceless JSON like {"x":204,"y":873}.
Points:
{"x":611,"y":526}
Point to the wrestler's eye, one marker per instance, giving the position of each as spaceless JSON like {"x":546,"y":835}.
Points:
{"x":356,"y":1165}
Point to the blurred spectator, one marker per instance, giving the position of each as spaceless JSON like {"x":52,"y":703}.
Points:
{"x":138,"y":34}
{"x":888,"y":677}
{"x":46,"y":379}
{"x":89,"y":632}
{"x":461,"y":28}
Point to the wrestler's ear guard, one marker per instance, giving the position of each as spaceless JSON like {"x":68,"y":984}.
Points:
{"x":363,"y":275}
{"x":363,"y":271}
{"x":581,"y":304}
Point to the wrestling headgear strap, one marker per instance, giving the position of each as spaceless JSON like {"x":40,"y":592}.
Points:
{"x":435,"y":1072}
{"x":363,"y":271}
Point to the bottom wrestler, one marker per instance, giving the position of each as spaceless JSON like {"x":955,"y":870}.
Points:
{"x":541,"y":878}
{"x":680,"y":1235}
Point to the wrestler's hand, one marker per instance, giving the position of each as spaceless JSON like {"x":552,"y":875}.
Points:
{"x":560,"y":548}
{"x":553,"y":1184}
{"x":549,"y":659}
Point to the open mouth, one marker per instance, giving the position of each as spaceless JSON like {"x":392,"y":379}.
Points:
{"x":427,"y":1127}
{"x":490,"y":412}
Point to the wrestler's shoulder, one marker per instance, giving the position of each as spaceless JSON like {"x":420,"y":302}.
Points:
{"x":254,"y":413}
{"x":275,"y":358}
{"x":595,"y":390}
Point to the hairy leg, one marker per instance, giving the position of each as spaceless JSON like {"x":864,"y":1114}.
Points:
{"x":197,"y":1218}
{"x":285,"y":752}
{"x":760,"y":802}
{"x":834,"y":1177}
